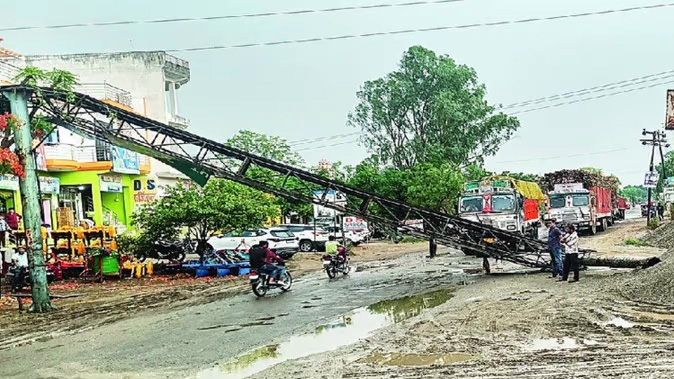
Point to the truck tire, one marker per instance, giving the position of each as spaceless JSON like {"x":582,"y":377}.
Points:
{"x":603,"y":225}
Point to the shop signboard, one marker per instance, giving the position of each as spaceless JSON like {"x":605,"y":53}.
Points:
{"x":651,"y":179}
{"x":144,"y":190}
{"x":124,"y":161}
{"x":354,"y":224}
{"x":9,"y":182}
{"x":669,"y":116}
{"x":111,"y":183}
{"x":49,"y":185}
{"x":331,"y":196}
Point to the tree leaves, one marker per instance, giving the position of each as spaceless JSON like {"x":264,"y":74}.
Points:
{"x":430,"y":110}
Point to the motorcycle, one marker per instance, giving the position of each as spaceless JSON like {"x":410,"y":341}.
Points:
{"x":334,"y":264}
{"x":260,"y":282}
{"x":173,"y":251}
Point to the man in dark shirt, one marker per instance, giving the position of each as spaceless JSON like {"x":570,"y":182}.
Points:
{"x":555,"y":247}
{"x":263,"y":259}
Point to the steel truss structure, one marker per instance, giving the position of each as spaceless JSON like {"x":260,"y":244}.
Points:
{"x":201,"y":158}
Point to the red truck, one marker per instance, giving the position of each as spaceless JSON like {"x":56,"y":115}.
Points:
{"x":621,"y":208}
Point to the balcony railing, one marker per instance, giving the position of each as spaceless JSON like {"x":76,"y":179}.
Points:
{"x":178,"y":121}
{"x":106,"y":91}
{"x":84,"y":154}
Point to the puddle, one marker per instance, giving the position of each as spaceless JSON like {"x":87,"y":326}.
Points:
{"x":620,"y":323}
{"x":342,"y":331}
{"x":398,"y":359}
{"x":552,"y":344}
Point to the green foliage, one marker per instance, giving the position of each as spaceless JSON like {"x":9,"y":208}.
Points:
{"x":430,"y":110}
{"x":635,"y":242}
{"x":522,"y":176}
{"x":219,"y":205}
{"x":653,"y":224}
{"x":61,"y":81}
{"x":635,"y":194}
{"x":668,"y":170}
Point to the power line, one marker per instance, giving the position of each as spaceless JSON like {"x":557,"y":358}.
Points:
{"x":604,"y":87}
{"x":567,"y":156}
{"x":330,"y":145}
{"x":236,"y":16}
{"x":318,"y":139}
{"x":421,"y":30}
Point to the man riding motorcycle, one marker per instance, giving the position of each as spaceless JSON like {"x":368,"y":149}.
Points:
{"x":332,"y":248}
{"x":263,"y":258}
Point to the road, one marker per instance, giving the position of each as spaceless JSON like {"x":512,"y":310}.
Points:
{"x":190,"y":342}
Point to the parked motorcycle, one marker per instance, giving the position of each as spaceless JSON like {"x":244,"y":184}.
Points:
{"x":259,"y":282}
{"x":173,"y":251}
{"x":334,"y":264}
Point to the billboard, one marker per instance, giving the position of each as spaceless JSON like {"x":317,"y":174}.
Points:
{"x":331,"y":196}
{"x":124,"y":161}
{"x":669,"y":116}
{"x":651,"y":179}
{"x":354,"y":224}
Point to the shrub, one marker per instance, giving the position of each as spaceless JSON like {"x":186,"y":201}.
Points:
{"x":635,"y":242}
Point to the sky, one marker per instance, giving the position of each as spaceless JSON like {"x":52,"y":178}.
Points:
{"x":305,"y":91}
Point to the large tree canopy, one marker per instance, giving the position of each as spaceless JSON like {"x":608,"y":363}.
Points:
{"x":430,"y":110}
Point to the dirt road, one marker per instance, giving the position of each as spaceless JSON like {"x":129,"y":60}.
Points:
{"x":409,"y":317}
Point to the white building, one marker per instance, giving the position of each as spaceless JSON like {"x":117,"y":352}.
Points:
{"x":148,"y":82}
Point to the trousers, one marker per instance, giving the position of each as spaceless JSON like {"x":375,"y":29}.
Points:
{"x":571,"y":263}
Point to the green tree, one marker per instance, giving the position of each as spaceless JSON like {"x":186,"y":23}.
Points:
{"x":634,"y":194}
{"x":522,"y":176}
{"x":668,"y":170}
{"x":430,"y":110}
{"x":219,"y":205}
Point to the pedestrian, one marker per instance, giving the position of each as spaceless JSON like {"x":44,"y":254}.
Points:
{"x":19,"y":268}
{"x":4,"y":227}
{"x":13,"y":219}
{"x":661,"y":212}
{"x":571,"y":261}
{"x":432,"y":247}
{"x":555,"y":247}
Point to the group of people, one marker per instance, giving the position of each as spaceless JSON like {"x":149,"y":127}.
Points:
{"x":9,"y":223}
{"x":565,"y":243}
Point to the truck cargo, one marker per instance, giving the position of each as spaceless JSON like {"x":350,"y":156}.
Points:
{"x":503,"y":202}
{"x":581,"y":198}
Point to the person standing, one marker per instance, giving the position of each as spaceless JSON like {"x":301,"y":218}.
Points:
{"x":571,"y":263}
{"x":13,"y":219}
{"x":19,"y":268}
{"x":3,"y":232}
{"x":555,"y":247}
{"x":661,"y":212}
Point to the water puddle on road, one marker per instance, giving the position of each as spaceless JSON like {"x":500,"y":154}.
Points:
{"x":343,"y":331}
{"x":399,"y":359}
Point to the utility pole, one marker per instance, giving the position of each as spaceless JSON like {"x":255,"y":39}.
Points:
{"x":18,"y":100}
{"x":657,"y":139}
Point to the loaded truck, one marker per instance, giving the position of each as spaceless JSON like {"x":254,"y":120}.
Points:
{"x":581,"y":198}
{"x":503,"y":202}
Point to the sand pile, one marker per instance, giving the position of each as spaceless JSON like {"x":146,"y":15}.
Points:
{"x":662,"y":237}
{"x":654,"y":284}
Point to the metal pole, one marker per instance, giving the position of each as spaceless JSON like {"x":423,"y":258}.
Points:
{"x":31,"y":204}
{"x":650,"y":190}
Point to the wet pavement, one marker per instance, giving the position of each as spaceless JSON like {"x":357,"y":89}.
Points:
{"x":242,"y":335}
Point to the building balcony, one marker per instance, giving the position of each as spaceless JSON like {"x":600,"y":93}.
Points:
{"x":105,"y":91}
{"x":178,"y":121}
{"x":68,"y":157}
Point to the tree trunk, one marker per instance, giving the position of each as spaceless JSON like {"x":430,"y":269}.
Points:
{"x":31,"y":202}
{"x":620,"y":262}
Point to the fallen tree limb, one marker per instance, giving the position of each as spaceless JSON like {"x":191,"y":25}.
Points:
{"x":620,"y":262}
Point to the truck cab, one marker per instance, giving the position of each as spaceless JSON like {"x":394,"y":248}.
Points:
{"x":499,"y":204}
{"x":574,"y":204}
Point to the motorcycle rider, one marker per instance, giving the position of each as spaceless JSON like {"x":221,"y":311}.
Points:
{"x":263,"y":257}
{"x":334,"y":248}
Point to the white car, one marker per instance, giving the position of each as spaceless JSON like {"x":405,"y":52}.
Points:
{"x":281,"y":241}
{"x":308,"y":238}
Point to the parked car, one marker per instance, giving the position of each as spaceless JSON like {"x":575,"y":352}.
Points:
{"x":281,"y":241}
{"x":308,"y":238}
{"x":352,"y":237}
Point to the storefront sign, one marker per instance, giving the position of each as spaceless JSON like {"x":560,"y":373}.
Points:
{"x":651,"y":179}
{"x":144,"y":191}
{"x":9,"y":183}
{"x":111,"y":183}
{"x":49,"y":185}
{"x":124,"y":161}
{"x":330,"y":196}
{"x":354,"y":224}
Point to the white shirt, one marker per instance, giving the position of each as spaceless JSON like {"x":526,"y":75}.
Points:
{"x":571,"y":243}
{"x":20,"y":259}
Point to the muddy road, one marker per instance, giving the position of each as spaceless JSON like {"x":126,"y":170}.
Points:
{"x":193,"y":340}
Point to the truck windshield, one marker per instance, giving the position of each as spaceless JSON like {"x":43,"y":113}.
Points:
{"x":503,"y":203}
{"x":471,"y":204}
{"x":558,"y":201}
{"x":580,"y":200}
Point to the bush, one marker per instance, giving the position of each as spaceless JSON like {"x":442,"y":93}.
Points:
{"x":633,"y":242}
{"x":130,"y":244}
{"x":653,"y":224}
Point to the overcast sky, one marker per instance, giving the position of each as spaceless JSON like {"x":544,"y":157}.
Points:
{"x":306,"y":90}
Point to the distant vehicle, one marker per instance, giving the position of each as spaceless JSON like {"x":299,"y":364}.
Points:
{"x":352,"y":237}
{"x":281,"y":241}
{"x":308,"y":240}
{"x":578,"y":199}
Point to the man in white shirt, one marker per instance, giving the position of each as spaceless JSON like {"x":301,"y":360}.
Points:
{"x":19,"y":267}
{"x":571,"y":261}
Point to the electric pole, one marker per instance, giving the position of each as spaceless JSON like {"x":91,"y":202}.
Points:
{"x":657,"y":140}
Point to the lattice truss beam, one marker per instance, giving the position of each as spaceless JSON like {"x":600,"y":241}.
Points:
{"x":95,"y":119}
